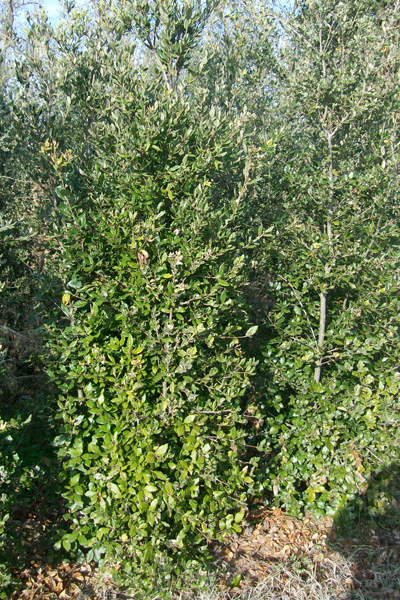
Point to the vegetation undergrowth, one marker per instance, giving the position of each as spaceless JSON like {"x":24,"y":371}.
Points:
{"x":31,"y":505}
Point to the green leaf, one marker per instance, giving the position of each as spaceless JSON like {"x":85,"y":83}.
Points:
{"x":239,"y":516}
{"x":161,"y":450}
{"x":251,"y":331}
{"x":236,"y":580}
{"x":66,"y":543}
{"x":151,"y":488}
{"x":66,"y":297}
{"x":115,"y":490}
{"x":63,"y":193}
{"x":74,"y":480}
{"x":190,"y":419}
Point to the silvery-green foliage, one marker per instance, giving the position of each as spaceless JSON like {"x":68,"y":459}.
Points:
{"x":331,"y":189}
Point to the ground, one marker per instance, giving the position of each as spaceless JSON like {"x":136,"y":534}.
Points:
{"x":276,"y":557}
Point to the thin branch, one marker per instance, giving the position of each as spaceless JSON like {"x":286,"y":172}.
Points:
{"x":19,"y":180}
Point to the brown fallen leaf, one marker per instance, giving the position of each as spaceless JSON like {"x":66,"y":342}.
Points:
{"x":74,"y":590}
{"x":52,"y":573}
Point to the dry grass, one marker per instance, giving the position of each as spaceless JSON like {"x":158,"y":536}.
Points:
{"x":336,"y":578}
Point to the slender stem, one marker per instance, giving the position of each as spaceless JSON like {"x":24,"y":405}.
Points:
{"x":328,"y":268}
{"x":330,"y":205}
{"x":321,"y":334}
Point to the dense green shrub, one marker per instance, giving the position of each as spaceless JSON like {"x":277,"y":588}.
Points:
{"x":147,"y":355}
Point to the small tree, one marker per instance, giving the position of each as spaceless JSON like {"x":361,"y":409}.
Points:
{"x":332,"y":190}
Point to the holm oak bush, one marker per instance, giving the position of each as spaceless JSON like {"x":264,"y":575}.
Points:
{"x":147,"y":353}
